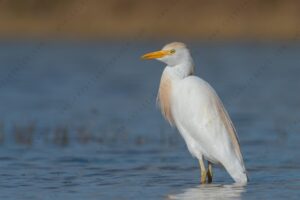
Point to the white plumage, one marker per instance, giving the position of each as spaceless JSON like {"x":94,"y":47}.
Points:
{"x":192,"y":105}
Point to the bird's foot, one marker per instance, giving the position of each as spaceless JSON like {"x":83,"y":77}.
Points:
{"x":209,"y":177}
{"x":209,"y":173}
{"x":203,"y":177}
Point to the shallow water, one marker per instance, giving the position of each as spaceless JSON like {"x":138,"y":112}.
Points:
{"x":78,"y":120}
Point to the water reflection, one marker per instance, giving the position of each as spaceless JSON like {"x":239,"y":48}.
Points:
{"x":211,"y":191}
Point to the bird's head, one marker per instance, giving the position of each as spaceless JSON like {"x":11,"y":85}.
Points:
{"x":172,"y":54}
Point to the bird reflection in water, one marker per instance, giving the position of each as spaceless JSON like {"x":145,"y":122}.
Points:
{"x":211,"y":191}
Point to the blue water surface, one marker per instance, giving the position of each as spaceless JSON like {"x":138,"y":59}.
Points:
{"x":78,"y":120}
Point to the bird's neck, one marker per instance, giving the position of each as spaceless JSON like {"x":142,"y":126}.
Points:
{"x":180,"y":71}
{"x":170,"y":75}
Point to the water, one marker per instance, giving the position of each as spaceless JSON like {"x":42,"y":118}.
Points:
{"x":78,"y":121}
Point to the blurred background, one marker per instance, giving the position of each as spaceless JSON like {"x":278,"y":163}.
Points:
{"x":191,"y":19}
{"x":78,"y":117}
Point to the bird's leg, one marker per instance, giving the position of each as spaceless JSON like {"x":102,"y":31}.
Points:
{"x":203,"y":171}
{"x":209,"y":173}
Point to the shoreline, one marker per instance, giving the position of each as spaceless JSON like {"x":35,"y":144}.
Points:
{"x":150,"y":20}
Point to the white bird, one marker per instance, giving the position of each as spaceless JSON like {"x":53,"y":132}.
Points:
{"x":192,"y":105}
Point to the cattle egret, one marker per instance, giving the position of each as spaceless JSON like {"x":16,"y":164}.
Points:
{"x":193,"y":107}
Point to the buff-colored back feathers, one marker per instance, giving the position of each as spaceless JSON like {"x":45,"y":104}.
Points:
{"x":230,"y":129}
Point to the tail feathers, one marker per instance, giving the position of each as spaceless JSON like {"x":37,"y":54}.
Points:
{"x":241,"y":178}
{"x":238,"y":172}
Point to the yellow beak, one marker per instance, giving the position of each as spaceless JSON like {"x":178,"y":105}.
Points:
{"x":156,"y":54}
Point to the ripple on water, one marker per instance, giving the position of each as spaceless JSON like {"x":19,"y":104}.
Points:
{"x":210,"y":191}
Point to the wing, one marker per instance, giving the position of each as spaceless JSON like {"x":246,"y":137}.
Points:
{"x":202,"y":120}
{"x":229,"y":128}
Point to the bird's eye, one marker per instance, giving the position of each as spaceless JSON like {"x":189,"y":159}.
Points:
{"x":172,"y":51}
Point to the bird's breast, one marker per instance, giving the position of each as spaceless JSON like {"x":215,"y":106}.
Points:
{"x":164,"y":97}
